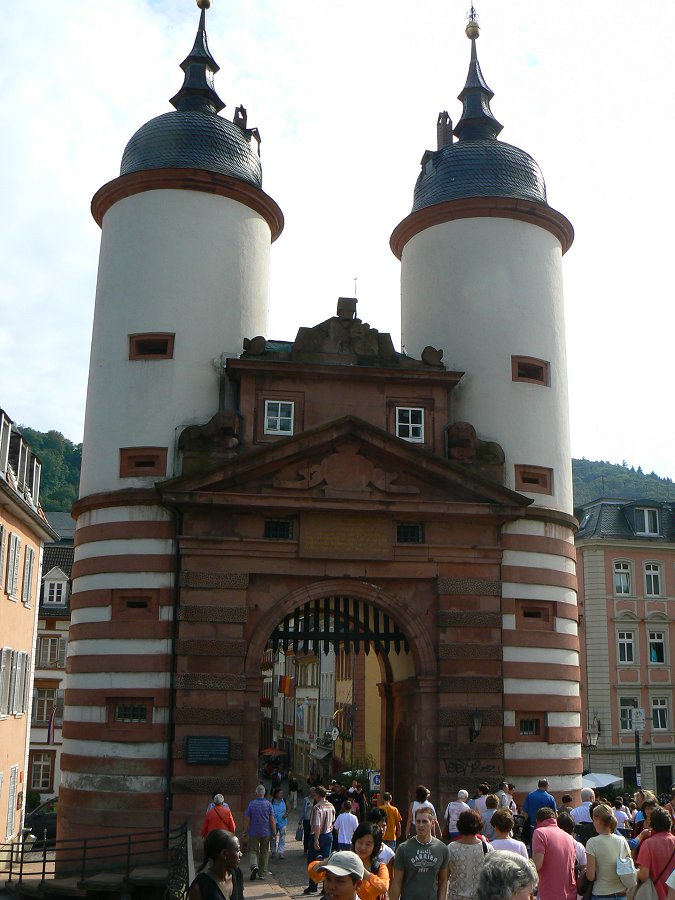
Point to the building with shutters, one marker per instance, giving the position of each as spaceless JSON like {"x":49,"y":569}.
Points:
{"x":23,"y":530}
{"x":44,"y":768}
{"x":240,"y":494}
{"x":626,"y":560}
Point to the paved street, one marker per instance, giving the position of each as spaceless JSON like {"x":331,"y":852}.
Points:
{"x":289,"y":875}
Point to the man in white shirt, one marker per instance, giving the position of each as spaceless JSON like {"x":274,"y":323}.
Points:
{"x":581,"y":813}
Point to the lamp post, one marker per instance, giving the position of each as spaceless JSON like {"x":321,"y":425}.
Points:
{"x":592,"y":735}
{"x":476,"y":724}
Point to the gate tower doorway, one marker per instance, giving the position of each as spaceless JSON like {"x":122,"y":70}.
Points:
{"x":330,"y":671}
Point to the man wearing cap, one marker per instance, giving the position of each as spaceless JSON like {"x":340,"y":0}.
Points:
{"x":421,"y":863}
{"x":344,"y":875}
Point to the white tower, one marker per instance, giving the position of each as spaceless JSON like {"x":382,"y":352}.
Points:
{"x":481,"y":269}
{"x":481,"y":272}
{"x":183,"y":278}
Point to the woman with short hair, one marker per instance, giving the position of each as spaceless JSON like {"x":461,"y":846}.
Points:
{"x":507,"y":876}
{"x":503,"y":824}
{"x":219,"y":876}
{"x":453,"y":811}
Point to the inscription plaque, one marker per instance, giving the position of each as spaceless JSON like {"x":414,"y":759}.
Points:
{"x":213,"y":751}
{"x":340,"y":536}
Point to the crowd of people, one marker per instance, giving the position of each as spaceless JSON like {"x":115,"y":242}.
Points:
{"x":484,"y":847}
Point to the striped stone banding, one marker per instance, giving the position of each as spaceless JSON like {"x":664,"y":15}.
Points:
{"x":211,"y":648}
{"x":537,"y":670}
{"x":114,"y":800}
{"x":452,"y":684}
{"x":469,"y":586}
{"x":458,"y":618}
{"x":125,"y":497}
{"x":124,"y":630}
{"x":447,"y":750}
{"x":102,"y":731}
{"x":99,"y":696}
{"x":224,"y":580}
{"x":550,"y":640}
{"x":560,"y":609}
{"x":191,"y":681}
{"x":530,"y":543}
{"x":532,"y":575}
{"x":197,"y":716}
{"x":133,"y":530}
{"x":141,"y":662}
{"x":231,"y":614}
{"x":554,"y":735}
{"x":103,"y":597}
{"x":554,"y":766}
{"x":112,"y":765}
{"x":203,"y":784}
{"x":453,"y":717}
{"x":537,"y":702}
{"x":139,"y":562}
{"x":469,"y":651}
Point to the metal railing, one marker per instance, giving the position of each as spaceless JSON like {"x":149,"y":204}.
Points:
{"x":167,"y":853}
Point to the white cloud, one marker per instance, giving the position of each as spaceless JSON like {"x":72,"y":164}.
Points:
{"x":346,"y":96}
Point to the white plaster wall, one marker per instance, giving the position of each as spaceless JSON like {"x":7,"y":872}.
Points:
{"x":173,"y":261}
{"x":484,"y":289}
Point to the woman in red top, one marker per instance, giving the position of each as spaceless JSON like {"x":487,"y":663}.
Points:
{"x":656,"y":857}
{"x":218,"y":817}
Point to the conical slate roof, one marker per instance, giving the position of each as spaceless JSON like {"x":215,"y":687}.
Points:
{"x":477,"y":164}
{"x":194,"y":136}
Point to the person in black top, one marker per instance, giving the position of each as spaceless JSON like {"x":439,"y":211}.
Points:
{"x":219,"y":877}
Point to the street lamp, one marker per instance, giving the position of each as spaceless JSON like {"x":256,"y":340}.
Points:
{"x":592,"y":735}
{"x":476,"y":724}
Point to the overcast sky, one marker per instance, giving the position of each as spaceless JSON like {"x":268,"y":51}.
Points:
{"x":346,"y":96}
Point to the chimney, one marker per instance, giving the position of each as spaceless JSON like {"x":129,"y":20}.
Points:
{"x":443,"y":130}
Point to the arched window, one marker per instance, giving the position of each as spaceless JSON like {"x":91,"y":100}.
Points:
{"x":622,"y":578}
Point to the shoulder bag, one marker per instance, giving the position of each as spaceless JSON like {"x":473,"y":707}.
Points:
{"x":646,"y":890}
{"x":625,"y":867}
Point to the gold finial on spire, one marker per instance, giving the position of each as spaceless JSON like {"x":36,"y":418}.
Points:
{"x":473,"y":28}
{"x":204,"y":4}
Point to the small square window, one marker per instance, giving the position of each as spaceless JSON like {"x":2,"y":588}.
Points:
{"x":151,"y":346}
{"x":531,"y":370}
{"x":140,"y":462}
{"x":409,"y":533}
{"x":131,"y":712}
{"x":529,"y":727}
{"x":279,"y":529}
{"x":534,"y":479}
{"x":279,"y":417}
{"x":534,"y":616}
{"x":410,"y":423}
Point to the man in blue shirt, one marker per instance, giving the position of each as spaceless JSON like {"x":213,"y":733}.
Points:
{"x":535,"y":801}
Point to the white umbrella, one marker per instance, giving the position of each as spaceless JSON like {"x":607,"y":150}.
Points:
{"x":599,"y":780}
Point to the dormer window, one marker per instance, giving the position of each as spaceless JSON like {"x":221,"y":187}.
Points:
{"x":646,"y":521}
{"x":55,"y":592}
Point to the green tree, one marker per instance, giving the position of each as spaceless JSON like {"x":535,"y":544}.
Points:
{"x":61,"y":461}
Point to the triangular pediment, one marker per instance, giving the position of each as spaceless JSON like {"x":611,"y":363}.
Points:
{"x":347,"y":458}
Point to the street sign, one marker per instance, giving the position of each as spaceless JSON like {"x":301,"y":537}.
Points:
{"x":375,"y":779}
{"x":335,"y":733}
{"x":638,"y":715}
